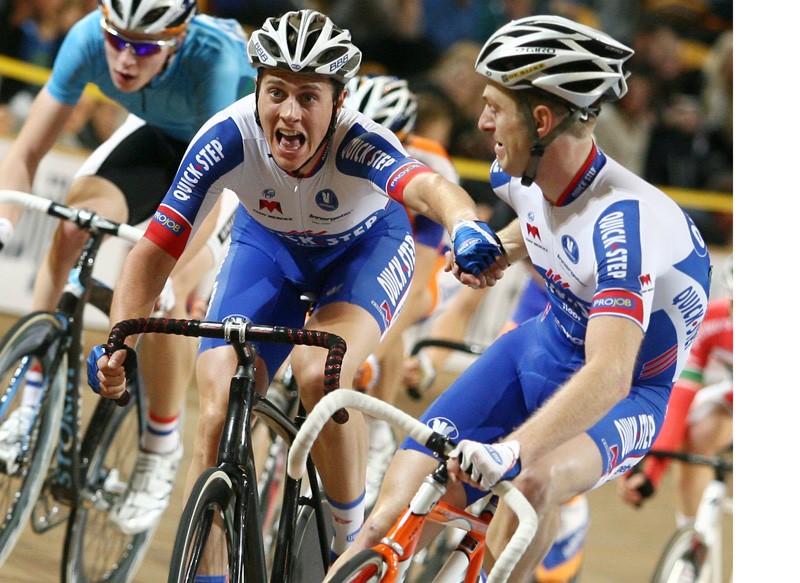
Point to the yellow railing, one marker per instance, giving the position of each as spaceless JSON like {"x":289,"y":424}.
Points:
{"x":470,"y":169}
{"x":34,"y":74}
{"x":686,"y":197}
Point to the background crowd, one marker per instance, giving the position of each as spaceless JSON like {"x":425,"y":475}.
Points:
{"x":674,"y":127}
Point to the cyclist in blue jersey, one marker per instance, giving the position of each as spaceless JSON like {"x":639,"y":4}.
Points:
{"x":171,"y":71}
{"x":575,"y":397}
{"x":322,"y":191}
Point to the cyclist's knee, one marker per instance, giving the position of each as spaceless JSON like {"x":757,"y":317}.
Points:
{"x":309,"y":372}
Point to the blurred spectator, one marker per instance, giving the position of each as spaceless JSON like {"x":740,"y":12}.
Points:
{"x":436,"y":113}
{"x":718,"y":91}
{"x":684,"y":154}
{"x":447,"y":22}
{"x":33,"y":31}
{"x":251,"y":14}
{"x":623,"y":131}
{"x":388,"y":32}
{"x":659,"y":47}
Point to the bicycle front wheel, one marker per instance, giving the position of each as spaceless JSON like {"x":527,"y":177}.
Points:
{"x":35,"y":342}
{"x":681,"y":562}
{"x":367,"y":566}
{"x":94,"y":548}
{"x":200,"y":548}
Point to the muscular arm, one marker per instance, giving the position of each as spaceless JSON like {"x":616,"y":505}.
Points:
{"x":612,"y":344}
{"x":437,"y":198}
{"x":37,"y":136}
{"x":512,"y":240}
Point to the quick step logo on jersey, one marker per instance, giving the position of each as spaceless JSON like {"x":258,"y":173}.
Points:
{"x":365,"y":153}
{"x":612,"y":235}
{"x":395,"y":276}
{"x":692,"y":309}
{"x":636,"y":432}
{"x":203,"y":161}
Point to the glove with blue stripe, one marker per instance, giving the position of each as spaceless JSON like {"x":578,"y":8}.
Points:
{"x":92,"y":367}
{"x":475,"y":246}
{"x":488,"y":464}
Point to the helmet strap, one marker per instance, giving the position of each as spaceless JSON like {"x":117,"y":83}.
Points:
{"x":539,"y":144}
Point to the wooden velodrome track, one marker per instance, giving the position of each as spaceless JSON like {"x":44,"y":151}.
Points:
{"x":622,"y":547}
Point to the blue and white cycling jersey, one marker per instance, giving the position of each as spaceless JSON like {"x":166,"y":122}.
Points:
{"x":338,"y":231}
{"x":616,"y":245}
{"x":331,"y":207}
{"x":612,"y":245}
{"x":209,"y":71}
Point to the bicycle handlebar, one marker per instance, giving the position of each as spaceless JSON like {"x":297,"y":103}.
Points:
{"x":716,"y":462}
{"x":85,"y":219}
{"x":301,"y":446}
{"x":416,"y":392}
{"x":240,"y":332}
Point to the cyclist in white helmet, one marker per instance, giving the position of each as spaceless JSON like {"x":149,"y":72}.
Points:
{"x":388,"y":100}
{"x":171,"y":70}
{"x":322,"y":191}
{"x":573,"y":398}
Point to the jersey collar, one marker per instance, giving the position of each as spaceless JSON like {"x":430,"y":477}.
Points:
{"x":584,"y":177}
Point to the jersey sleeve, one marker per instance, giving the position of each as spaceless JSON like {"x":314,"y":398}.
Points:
{"x":79,"y":61}
{"x":216,"y":151}
{"x":628,"y":262}
{"x":377,"y":158}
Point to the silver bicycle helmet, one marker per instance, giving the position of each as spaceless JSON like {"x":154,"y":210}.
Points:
{"x":305,"y":41}
{"x":385,"y":99}
{"x":149,"y":16}
{"x":575,"y":62}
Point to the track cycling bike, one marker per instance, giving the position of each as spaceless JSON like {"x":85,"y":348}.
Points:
{"x":694,"y":552}
{"x":226,"y":495}
{"x":60,"y":471}
{"x":385,"y":561}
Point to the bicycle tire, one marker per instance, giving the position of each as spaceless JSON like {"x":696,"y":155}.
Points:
{"x":94,"y":548}
{"x":367,"y":566}
{"x":676,"y":559}
{"x":212,"y":498}
{"x":36,"y":338}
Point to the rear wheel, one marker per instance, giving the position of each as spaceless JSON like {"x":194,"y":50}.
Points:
{"x":94,"y":548}
{"x":197,"y":549}
{"x":35,"y":342}
{"x":367,"y":566}
{"x":682,"y":559}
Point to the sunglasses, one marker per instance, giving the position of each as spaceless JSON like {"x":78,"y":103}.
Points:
{"x":140,"y":48}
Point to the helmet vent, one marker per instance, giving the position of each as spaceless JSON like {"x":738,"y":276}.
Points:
{"x":153,"y":15}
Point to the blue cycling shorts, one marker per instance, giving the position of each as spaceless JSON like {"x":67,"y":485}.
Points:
{"x":516,"y":375}
{"x":263,"y":275}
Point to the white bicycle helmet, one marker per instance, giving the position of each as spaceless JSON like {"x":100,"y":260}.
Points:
{"x":385,"y":99}
{"x":575,"y":62}
{"x":149,"y":16}
{"x":305,"y":41}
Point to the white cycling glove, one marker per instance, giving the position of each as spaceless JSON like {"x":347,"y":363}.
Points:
{"x":485,"y":463}
{"x":6,"y":231}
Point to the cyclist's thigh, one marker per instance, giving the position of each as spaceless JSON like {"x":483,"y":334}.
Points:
{"x":252,"y":284}
{"x":141,"y":161}
{"x":625,"y":434}
{"x":375,"y":272}
{"x":712,"y":397}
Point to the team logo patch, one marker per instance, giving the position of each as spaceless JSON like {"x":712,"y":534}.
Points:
{"x":570,"y":246}
{"x":443,"y":426}
{"x":271,"y":206}
{"x":326,"y":200}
